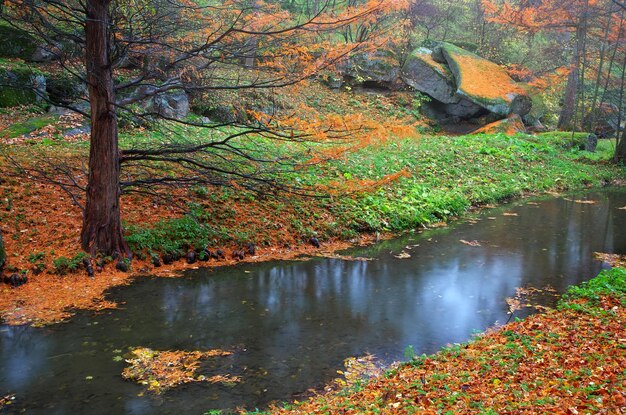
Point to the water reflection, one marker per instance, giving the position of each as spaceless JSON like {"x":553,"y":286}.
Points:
{"x":291,"y":324}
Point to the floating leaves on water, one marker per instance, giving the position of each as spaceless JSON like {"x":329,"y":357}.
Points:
{"x":622,"y":208}
{"x":470,"y":243}
{"x":585,"y":202}
{"x":356,"y":370}
{"x":526,"y":297}
{"x":510,"y":214}
{"x":7,"y":400}
{"x":403,"y":255}
{"x":163,"y":370}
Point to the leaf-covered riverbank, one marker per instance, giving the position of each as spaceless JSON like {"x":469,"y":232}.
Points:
{"x":396,"y":184}
{"x":570,"y":360}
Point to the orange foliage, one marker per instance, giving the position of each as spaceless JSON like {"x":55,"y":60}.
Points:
{"x":555,"y":14}
{"x":163,"y":370}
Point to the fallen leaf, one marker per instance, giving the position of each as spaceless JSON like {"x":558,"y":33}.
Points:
{"x":470,"y":243}
{"x":585,"y":202}
{"x":403,"y":255}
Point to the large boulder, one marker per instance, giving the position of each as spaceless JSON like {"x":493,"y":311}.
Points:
{"x":16,"y":43}
{"x":484,"y":82}
{"x":423,"y":73}
{"x":380,"y":67}
{"x":21,"y":86}
{"x":171,"y":104}
{"x":64,"y":89}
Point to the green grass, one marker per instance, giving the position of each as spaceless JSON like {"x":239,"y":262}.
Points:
{"x":610,"y":283}
{"x":27,"y":127}
{"x":449,"y":175}
{"x":446,"y":177}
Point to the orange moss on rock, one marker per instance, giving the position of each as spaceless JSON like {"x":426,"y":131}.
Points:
{"x":485,"y":83}
{"x":480,"y":77}
{"x":509,"y":126}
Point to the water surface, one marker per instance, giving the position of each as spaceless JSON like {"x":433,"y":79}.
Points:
{"x":291,"y":324}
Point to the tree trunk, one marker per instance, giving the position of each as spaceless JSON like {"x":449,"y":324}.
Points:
{"x":571,"y":89}
{"x":102,"y":228}
{"x":620,"y":143}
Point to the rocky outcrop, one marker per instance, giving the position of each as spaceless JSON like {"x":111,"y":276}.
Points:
{"x":16,"y":43}
{"x":377,"y":68}
{"x":21,"y":86}
{"x":173,"y":104}
{"x":484,"y":82}
{"x":421,"y":72}
{"x":464,"y":87}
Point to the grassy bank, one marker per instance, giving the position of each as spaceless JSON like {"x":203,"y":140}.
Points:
{"x":393,"y":186}
{"x":570,"y":360}
{"x":394,"y":183}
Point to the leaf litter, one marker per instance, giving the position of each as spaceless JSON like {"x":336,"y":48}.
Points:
{"x":565,"y":361}
{"x":163,"y":370}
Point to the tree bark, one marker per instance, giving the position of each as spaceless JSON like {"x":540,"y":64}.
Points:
{"x":568,"y":111}
{"x":620,"y":143}
{"x":102,"y":228}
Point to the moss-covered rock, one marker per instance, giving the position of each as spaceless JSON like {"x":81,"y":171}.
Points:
{"x":381,"y":67}
{"x":64,"y":89}
{"x":426,"y":75}
{"x":484,"y":82}
{"x":16,"y":43}
{"x":21,"y":86}
{"x":509,"y":126}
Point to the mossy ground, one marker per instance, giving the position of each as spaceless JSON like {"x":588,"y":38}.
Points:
{"x":389,"y":179}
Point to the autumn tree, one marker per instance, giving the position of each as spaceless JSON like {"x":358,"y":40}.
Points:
{"x":195,"y":47}
{"x":578,"y":19}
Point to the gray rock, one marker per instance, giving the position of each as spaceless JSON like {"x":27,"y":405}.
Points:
{"x":20,"y":86}
{"x":484,"y":82}
{"x":464,"y":108}
{"x":38,"y":85}
{"x":222,"y":114}
{"x":592,"y":143}
{"x":44,"y":53}
{"x":380,"y":67}
{"x":84,"y":129}
{"x":423,"y":73}
{"x":171,"y":104}
{"x":604,"y":119}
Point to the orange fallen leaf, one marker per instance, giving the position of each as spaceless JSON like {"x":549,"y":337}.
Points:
{"x":470,"y":243}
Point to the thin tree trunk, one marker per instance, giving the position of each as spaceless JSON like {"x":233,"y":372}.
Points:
{"x":620,"y":143}
{"x":571,"y":89}
{"x":591,"y":122}
{"x":102,"y":228}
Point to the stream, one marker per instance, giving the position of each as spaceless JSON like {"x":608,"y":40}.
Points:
{"x":291,"y":324}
